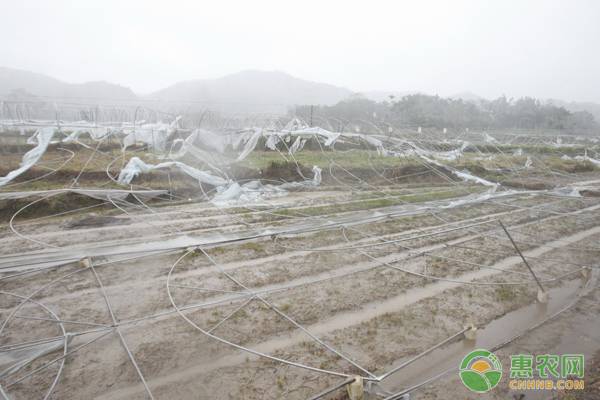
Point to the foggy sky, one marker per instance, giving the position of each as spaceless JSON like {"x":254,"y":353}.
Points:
{"x":546,"y":48}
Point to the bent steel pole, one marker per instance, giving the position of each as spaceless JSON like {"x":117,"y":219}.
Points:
{"x":522,"y":257}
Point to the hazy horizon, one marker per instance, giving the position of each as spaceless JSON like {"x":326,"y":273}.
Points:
{"x":543,"y":49}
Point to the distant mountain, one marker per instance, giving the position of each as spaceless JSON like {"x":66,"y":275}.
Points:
{"x":20,"y":84}
{"x":251,"y":91}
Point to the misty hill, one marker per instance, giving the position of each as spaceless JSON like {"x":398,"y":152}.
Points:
{"x":20,"y":84}
{"x":252,"y":91}
{"x":248,"y":91}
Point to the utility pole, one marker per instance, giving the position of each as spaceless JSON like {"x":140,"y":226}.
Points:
{"x":311,"y":114}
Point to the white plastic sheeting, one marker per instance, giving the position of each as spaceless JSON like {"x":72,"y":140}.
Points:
{"x":303,"y":132}
{"x":209,"y":140}
{"x":489,"y":138}
{"x":3,"y":395}
{"x":378,"y":144}
{"x":154,"y":135}
{"x":211,"y":154}
{"x":307,"y":133}
{"x":315,"y":181}
{"x":272,"y":141}
{"x":60,"y":256}
{"x":202,"y":141}
{"x":370,"y":139}
{"x":295,"y":124}
{"x":246,"y":141}
{"x":135,"y":166}
{"x":451,"y":155}
{"x":254,"y":190}
{"x":250,"y":142}
{"x":468,"y":177}
{"x":411,"y":149}
{"x":209,"y":148}
{"x":204,"y":144}
{"x":464,"y":175}
{"x":246,"y":193}
{"x":42,"y":138}
{"x":587,"y":158}
{"x":567,"y":191}
{"x":100,"y":194}
{"x":429,"y":157}
{"x":298,"y":145}
{"x":13,"y":360}
{"x":96,"y":134}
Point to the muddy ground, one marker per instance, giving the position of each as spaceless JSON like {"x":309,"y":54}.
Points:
{"x":347,"y":279}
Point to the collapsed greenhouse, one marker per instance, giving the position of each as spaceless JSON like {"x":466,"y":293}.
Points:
{"x":147,"y":255}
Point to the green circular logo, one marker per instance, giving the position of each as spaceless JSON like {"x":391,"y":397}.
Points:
{"x":480,"y":371}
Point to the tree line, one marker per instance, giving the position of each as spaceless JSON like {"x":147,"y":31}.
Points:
{"x":438,"y":112}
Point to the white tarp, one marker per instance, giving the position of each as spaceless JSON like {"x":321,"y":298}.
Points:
{"x":42,"y":137}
